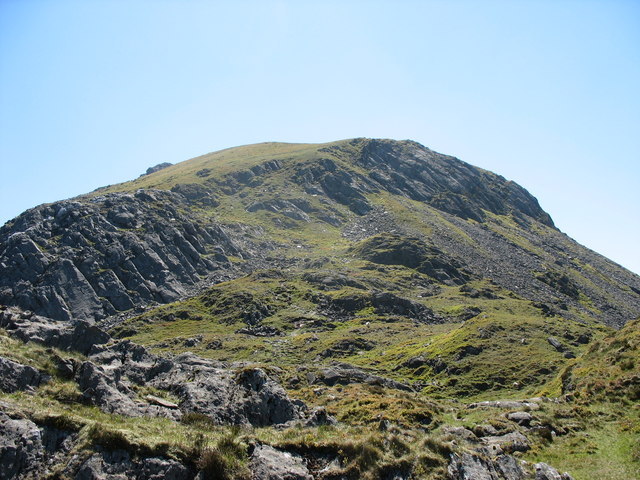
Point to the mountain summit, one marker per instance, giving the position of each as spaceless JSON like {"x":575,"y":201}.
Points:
{"x":369,"y":287}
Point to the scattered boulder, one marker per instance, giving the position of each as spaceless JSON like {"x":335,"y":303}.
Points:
{"x":555,"y":343}
{"x":470,"y":466}
{"x":547,"y":472}
{"x":267,"y":463}
{"x":345,"y":374}
{"x":15,"y":376}
{"x":521,"y":418}
{"x":508,"y":443}
{"x":414,"y":362}
{"x":319,"y":416}
{"x":21,"y":449}
{"x":119,"y":464}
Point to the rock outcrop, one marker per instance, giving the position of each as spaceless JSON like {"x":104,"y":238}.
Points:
{"x":15,"y":376}
{"x":245,"y":396}
{"x":87,"y":260}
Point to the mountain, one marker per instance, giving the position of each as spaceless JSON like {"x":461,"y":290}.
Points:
{"x":377,"y":281}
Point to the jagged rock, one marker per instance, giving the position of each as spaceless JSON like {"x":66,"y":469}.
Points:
{"x":260,"y":331}
{"x":118,"y":464}
{"x":344,"y":374}
{"x":263,"y":401}
{"x":78,"y":335}
{"x":267,"y":463}
{"x":66,"y":367}
{"x":510,"y":468}
{"x":510,"y":442}
{"x":319,"y":416}
{"x":485,"y":430}
{"x":107,"y":254}
{"x":521,"y":418}
{"x":296,"y":210}
{"x":21,"y":449}
{"x":344,"y":187}
{"x":468,"y":466}
{"x":461,"y":433}
{"x":196,"y":194}
{"x":248,"y":397}
{"x":101,"y":390}
{"x":15,"y":376}
{"x":156,"y":168}
{"x":547,"y":472}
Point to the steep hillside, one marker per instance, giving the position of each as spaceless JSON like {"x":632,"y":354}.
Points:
{"x":367,"y":308}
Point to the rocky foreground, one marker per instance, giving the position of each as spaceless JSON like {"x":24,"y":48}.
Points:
{"x":110,"y":374}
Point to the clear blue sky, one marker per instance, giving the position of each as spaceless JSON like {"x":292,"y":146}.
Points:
{"x":545,"y":93}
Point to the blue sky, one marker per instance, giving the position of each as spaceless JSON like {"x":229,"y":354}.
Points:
{"x":544,"y":93}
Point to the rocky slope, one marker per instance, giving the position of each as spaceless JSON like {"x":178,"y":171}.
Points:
{"x":350,"y":308}
{"x":94,"y":256}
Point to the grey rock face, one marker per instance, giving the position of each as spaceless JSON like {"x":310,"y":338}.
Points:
{"x":475,"y":467}
{"x":267,"y":463}
{"x":79,"y":336}
{"x":15,"y":376}
{"x":107,"y":380}
{"x":344,"y":374}
{"x":103,"y":391}
{"x":445,"y":182}
{"x":546,"y":472}
{"x":510,"y":442}
{"x":118,"y":464}
{"x":108,"y":254}
{"x":246,"y":397}
{"x":156,"y":168}
{"x":21,"y":449}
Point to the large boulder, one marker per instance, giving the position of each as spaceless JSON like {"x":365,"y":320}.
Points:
{"x":267,"y":463}
{"x":15,"y":376}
